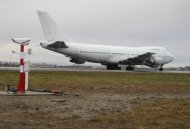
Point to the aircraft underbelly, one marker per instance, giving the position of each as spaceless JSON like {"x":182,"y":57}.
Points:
{"x":84,"y":55}
{"x":93,"y":57}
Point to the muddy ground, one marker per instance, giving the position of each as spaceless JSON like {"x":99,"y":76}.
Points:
{"x":76,"y":109}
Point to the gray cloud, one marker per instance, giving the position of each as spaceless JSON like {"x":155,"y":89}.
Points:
{"x":115,"y":22}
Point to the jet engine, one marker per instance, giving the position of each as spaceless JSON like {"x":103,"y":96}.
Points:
{"x":154,"y":62}
{"x":77,"y":61}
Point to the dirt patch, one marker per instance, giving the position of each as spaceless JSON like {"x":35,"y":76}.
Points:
{"x":80,"y":109}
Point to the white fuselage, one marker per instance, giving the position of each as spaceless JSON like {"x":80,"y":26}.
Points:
{"x":111,"y":54}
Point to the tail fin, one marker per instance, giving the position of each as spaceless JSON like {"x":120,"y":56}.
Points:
{"x":50,"y":29}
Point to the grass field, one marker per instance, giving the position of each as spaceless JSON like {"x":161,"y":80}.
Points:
{"x":107,"y":100}
{"x":123,"y":82}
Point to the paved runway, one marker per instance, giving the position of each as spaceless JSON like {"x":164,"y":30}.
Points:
{"x":91,"y":70}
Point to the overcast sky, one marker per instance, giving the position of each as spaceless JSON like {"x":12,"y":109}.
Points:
{"x":135,"y":23}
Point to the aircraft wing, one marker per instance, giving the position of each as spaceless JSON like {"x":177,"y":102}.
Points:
{"x":141,"y":59}
{"x":58,"y":44}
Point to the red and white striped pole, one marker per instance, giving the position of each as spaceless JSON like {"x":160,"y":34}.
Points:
{"x":21,"y":84}
{"x":22,"y":42}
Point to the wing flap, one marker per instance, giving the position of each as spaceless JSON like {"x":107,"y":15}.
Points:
{"x":141,"y":59}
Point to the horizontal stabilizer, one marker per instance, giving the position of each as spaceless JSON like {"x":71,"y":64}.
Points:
{"x":58,"y":44}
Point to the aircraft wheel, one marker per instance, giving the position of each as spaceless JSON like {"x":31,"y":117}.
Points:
{"x":130,"y":68}
{"x":161,"y":69}
{"x":113,"y":67}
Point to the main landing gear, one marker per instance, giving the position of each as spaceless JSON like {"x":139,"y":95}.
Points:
{"x":113,"y":67}
{"x":130,"y":68}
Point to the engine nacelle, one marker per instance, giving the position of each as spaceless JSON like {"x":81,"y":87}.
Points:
{"x":154,"y":62}
{"x":77,"y":61}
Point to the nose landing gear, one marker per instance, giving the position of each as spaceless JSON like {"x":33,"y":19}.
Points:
{"x":161,"y":68}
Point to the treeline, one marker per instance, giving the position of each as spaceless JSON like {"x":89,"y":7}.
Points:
{"x":9,"y":64}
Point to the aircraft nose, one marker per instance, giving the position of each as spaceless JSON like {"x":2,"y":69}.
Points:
{"x":170,"y":55}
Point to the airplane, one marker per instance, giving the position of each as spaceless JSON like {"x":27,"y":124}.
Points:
{"x":110,"y":56}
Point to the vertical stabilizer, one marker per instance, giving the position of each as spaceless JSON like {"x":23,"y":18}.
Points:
{"x":50,"y":30}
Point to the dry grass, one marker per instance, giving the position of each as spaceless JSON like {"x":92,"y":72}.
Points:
{"x":168,"y":114}
{"x":159,"y":114}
